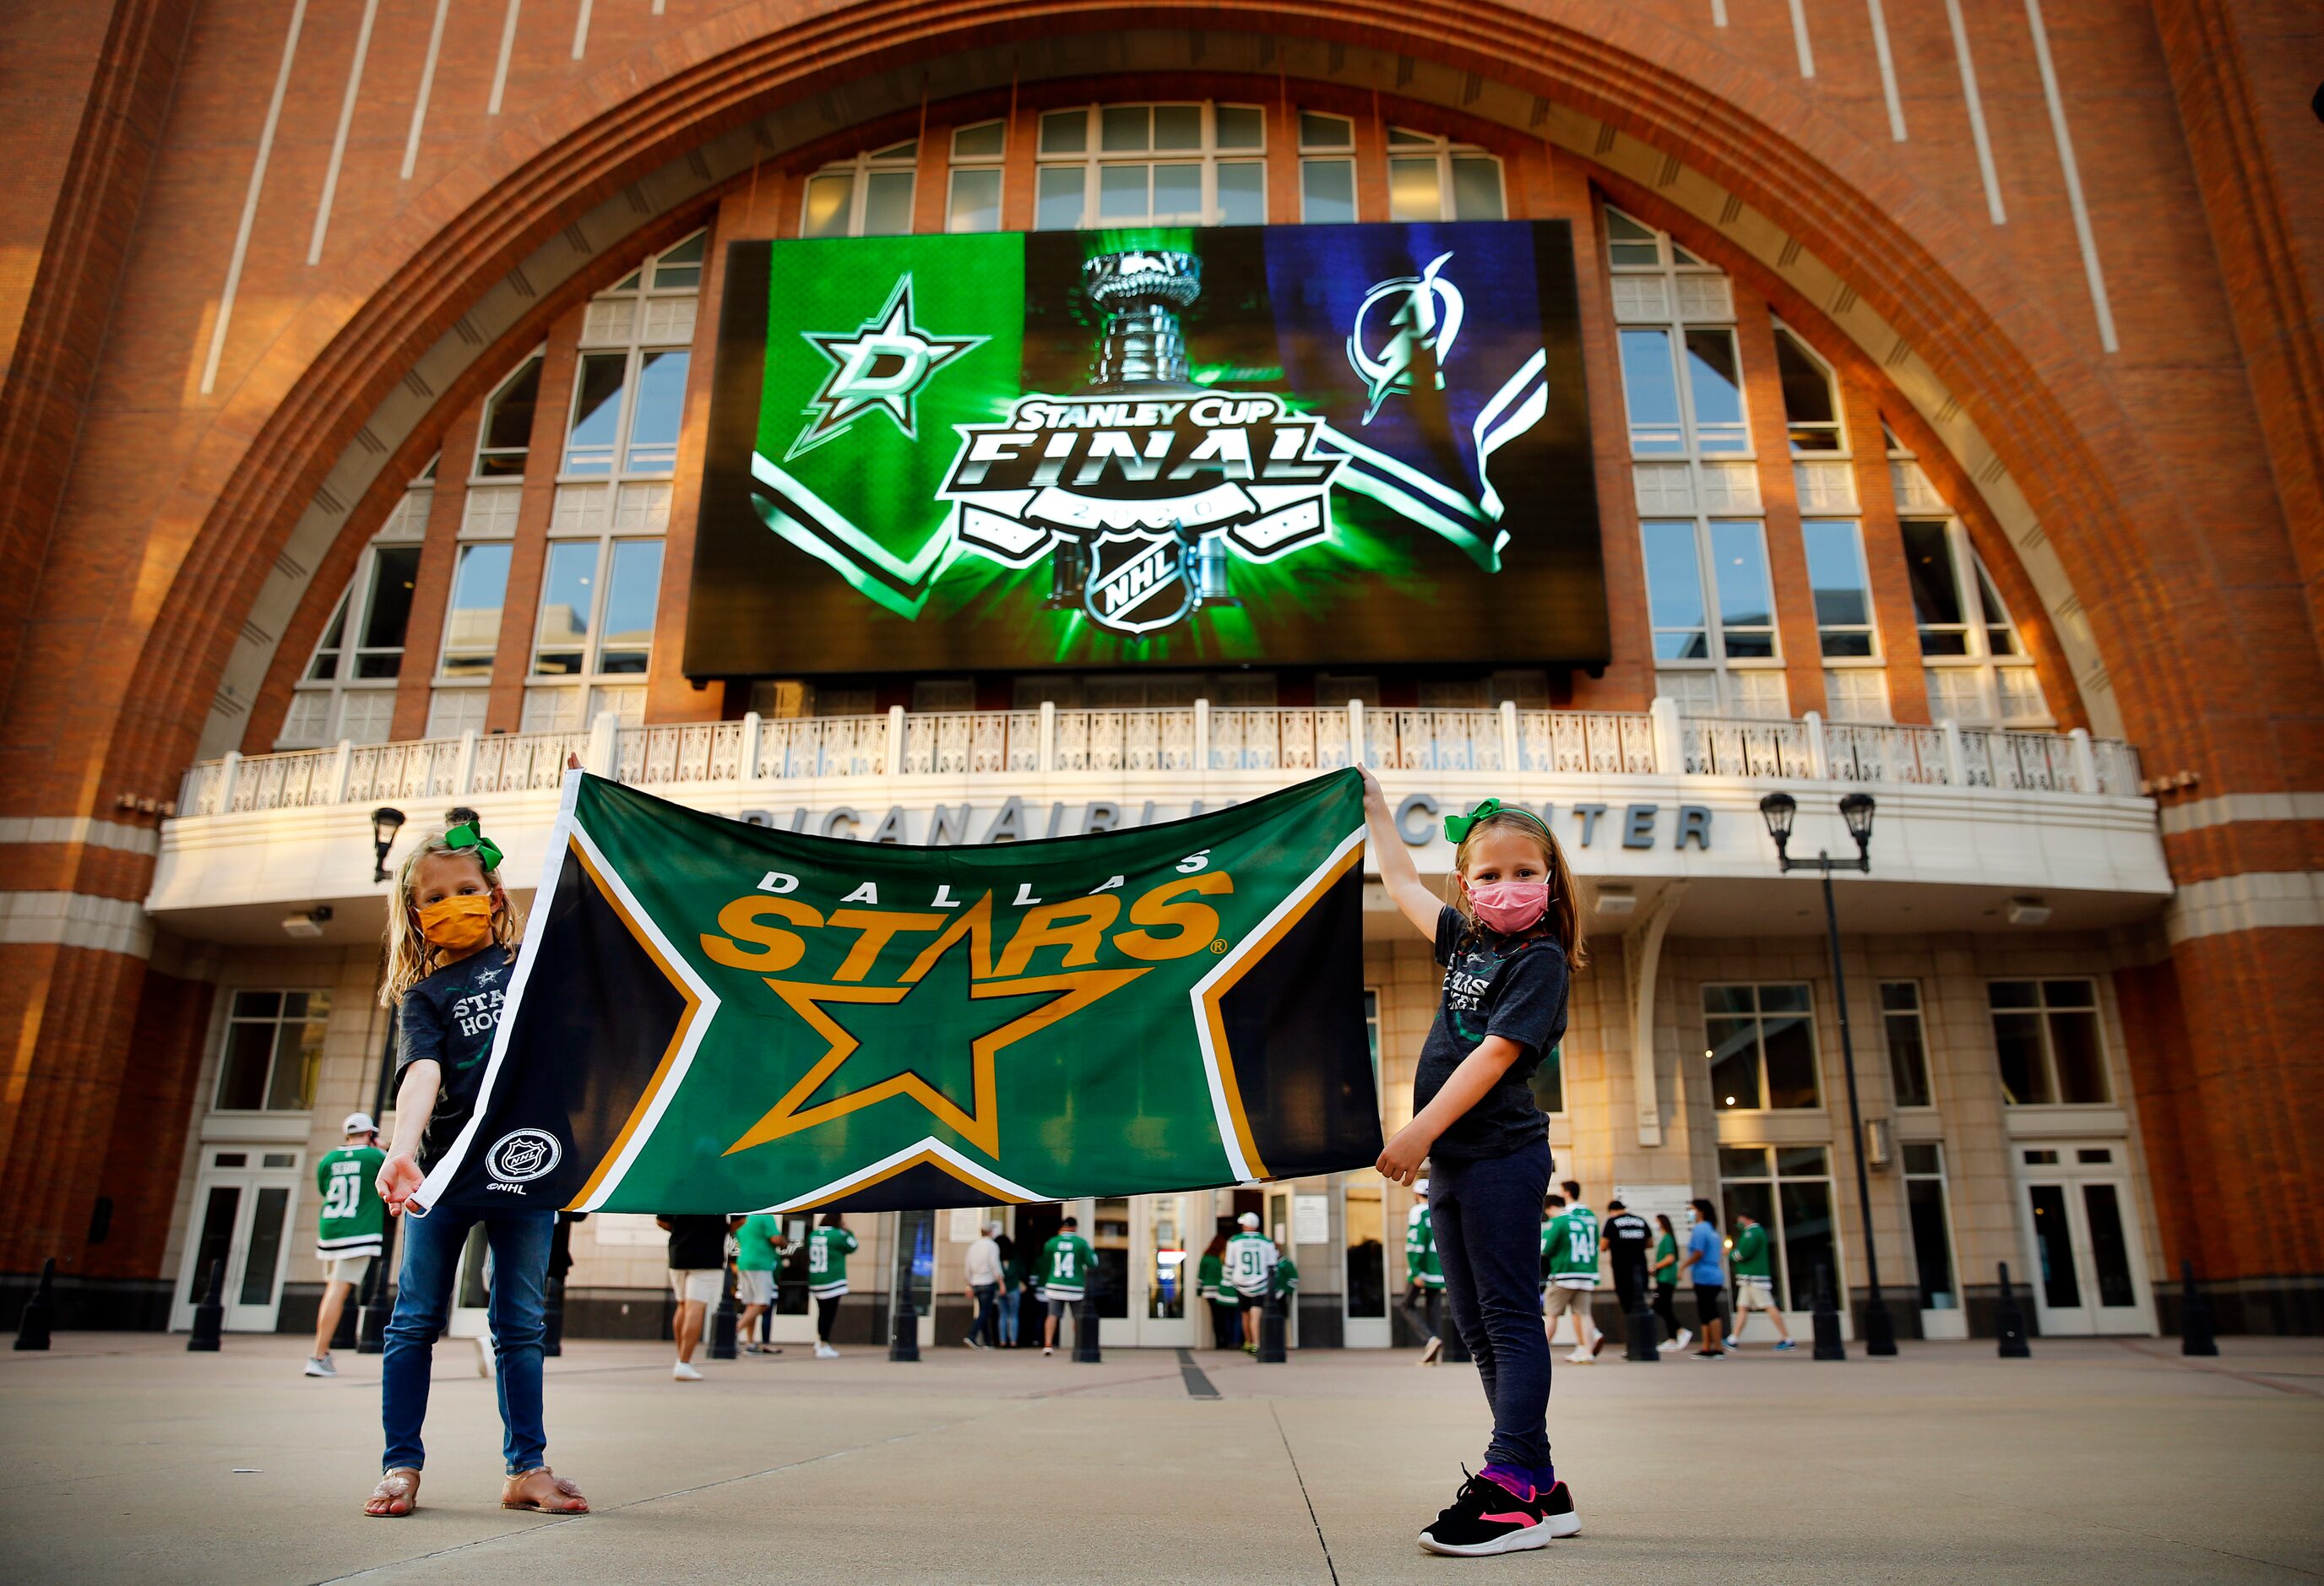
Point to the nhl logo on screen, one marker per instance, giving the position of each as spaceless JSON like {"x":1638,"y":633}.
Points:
{"x":522,"y":1154}
{"x":1137,"y":582}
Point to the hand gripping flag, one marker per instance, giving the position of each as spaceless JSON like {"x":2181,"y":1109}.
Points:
{"x":713,"y":1016}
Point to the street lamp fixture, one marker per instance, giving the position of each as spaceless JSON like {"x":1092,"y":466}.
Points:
{"x":1778,"y":810}
{"x":385,"y":823}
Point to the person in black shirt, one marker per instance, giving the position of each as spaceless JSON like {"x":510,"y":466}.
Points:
{"x":697,"y":1273}
{"x":1626,"y":1237}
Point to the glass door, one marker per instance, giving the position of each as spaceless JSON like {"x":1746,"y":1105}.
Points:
{"x":1365,"y":1285}
{"x":242,"y":1201}
{"x":1169,"y":1231}
{"x":2087,"y":1258}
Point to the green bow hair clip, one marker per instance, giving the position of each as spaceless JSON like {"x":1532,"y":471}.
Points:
{"x":1457,"y":826}
{"x":465,"y":835}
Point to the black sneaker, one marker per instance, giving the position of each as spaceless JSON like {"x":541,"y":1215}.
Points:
{"x":1486,"y":1518}
{"x":1559,"y":1517}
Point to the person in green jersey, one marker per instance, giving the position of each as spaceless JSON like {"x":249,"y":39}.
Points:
{"x":1424,"y":1278}
{"x":1066,"y":1261}
{"x":758,"y":1243}
{"x":348,"y":1231}
{"x":1569,"y":1247}
{"x":827,"y":1249}
{"x":1210,"y":1277}
{"x":1754,"y":1282}
{"x":1249,"y":1260}
{"x":1665,"y":1271}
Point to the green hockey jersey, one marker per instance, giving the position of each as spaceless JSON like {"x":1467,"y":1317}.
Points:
{"x":1751,"y":1257}
{"x":1065,"y":1263}
{"x":1570,"y":1246}
{"x":827,"y":1249}
{"x":1421,"y":1265}
{"x":354,"y":1217}
{"x":1287,"y":1276}
{"x":1210,"y":1277}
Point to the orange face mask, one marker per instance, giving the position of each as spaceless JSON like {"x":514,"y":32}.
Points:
{"x":460,"y":923}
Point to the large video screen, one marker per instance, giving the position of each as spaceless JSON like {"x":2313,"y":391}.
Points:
{"x":1303,"y":445}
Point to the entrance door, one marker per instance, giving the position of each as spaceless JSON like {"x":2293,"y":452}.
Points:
{"x":2083,"y":1239}
{"x":1364,"y":1288}
{"x":242,"y":1216}
{"x":1168,"y":1233}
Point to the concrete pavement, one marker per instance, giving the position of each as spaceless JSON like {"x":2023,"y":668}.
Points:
{"x":2096,"y":1460}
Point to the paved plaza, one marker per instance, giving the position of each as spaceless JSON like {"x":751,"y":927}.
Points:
{"x":2095,"y":1461}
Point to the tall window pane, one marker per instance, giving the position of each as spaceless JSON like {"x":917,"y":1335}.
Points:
{"x":1674,"y":593}
{"x":1241,"y":126}
{"x":1936,"y":589}
{"x":1476,"y":188}
{"x":1651,"y":390}
{"x":2000,"y":635}
{"x":887,"y":203}
{"x":1178,"y":193}
{"x":1747,"y":606}
{"x":630,"y":605}
{"x":471,"y":626}
{"x":1715,"y":382}
{"x":1121,"y":192}
{"x":976,"y":200}
{"x":1412,"y":191}
{"x":660,"y":406}
{"x":830,"y":197}
{"x":325,"y":666}
{"x":387,"y":610}
{"x":1732,"y":1046}
{"x":1242,"y":193}
{"x":1809,"y":413}
{"x":1327,"y":191}
{"x":1843,"y":593}
{"x":1908,"y":1054}
{"x":568,"y":596}
{"x":506,"y":434}
{"x":596,"y":412}
{"x":1058,"y":200}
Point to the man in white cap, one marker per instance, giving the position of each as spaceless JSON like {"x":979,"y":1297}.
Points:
{"x":348,"y":1231}
{"x":984,"y":1288}
{"x":1249,"y":1260}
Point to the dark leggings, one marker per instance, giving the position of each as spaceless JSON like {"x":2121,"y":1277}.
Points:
{"x":1226,"y":1325}
{"x":827,"y":1309}
{"x":1487,"y":1216}
{"x":1666,"y":1310}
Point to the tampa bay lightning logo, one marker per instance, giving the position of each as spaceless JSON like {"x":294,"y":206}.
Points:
{"x":1420,"y":318}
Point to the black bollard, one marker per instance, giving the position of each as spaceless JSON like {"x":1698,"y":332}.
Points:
{"x":1643,"y":1332}
{"x":209,"y":1314}
{"x":375,"y":1308}
{"x":722,"y":1321}
{"x":41,"y":1311}
{"x":1273,"y":1324}
{"x":904,"y":1337}
{"x":2009,"y":1321}
{"x":1085,"y":1340}
{"x":552,"y":1319}
{"x":1828,"y":1345}
{"x":2197,"y":1335}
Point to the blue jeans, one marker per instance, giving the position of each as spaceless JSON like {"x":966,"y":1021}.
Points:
{"x":988,"y":1312}
{"x":1486,"y":1215}
{"x":1009,"y":1298}
{"x":423,"y":1303}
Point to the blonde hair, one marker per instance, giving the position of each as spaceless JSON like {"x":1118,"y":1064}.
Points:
{"x":410,"y":957}
{"x":1564,"y":913}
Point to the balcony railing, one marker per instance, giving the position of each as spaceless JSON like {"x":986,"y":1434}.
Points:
{"x":1198,"y":738}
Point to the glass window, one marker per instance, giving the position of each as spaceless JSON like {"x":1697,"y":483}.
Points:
{"x":1651,"y":390}
{"x":596,"y":412}
{"x":1841,"y":590}
{"x":1793,"y":1204}
{"x":1412,"y":190}
{"x":325,"y":666}
{"x":1632,"y":246}
{"x":830,"y":203}
{"x":1125,"y":129}
{"x":568,"y":602}
{"x":387,"y":610}
{"x":1759,"y":1043}
{"x":976,"y":200}
{"x":987,"y":140}
{"x":1178,"y":127}
{"x":1811,"y":413}
{"x":2000,"y":633}
{"x":680,"y":268}
{"x":1476,"y":188}
{"x":1675,"y":592}
{"x":472,"y":625}
{"x":630,"y":598}
{"x":1908,"y":1049}
{"x":2046,"y":1042}
{"x":660,"y":407}
{"x":1066,"y":132}
{"x":274,"y":1046}
{"x":1715,"y":383}
{"x":1936,"y":587}
{"x":887,"y":203}
{"x":1327,"y":191}
{"x":1241,"y":126}
{"x":1746,"y":606}
{"x":1318,"y":131}
{"x":1242,"y":193}
{"x":1057,"y":199}
{"x":505,"y":436}
{"x":1932,"y":1244}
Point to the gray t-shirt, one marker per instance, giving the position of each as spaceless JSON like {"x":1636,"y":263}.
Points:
{"x":1494,"y":985}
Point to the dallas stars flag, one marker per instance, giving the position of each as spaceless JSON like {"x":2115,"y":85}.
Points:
{"x":711,"y":1017}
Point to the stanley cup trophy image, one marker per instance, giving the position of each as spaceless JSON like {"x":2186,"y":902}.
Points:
{"x":1142,"y":353}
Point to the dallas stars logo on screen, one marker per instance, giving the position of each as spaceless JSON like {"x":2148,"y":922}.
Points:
{"x":1141,"y":491}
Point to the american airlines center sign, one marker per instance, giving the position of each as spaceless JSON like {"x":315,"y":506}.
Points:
{"x":1285,"y":444}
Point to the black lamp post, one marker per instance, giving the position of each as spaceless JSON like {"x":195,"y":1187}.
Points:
{"x":385,"y":823}
{"x":1855,"y":808}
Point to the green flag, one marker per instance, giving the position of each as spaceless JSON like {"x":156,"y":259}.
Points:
{"x":713,"y":1016}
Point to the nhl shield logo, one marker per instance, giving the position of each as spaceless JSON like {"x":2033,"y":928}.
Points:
{"x":522,"y":1154}
{"x":1137,"y":580}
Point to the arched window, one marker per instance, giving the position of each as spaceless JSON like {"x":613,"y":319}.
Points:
{"x":1103,"y":165}
{"x":1811,"y":405}
{"x":1431,"y":177}
{"x":868,"y":196}
{"x":505,"y":439}
{"x":1978,"y":668}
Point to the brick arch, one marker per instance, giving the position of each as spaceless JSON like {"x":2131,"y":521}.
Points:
{"x":232,"y":506}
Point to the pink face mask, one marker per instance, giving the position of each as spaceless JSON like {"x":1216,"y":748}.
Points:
{"x":1509,"y":907}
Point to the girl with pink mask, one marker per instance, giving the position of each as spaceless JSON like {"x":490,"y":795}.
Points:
{"x":1509,"y":943}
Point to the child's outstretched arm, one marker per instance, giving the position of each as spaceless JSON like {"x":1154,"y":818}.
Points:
{"x":1399,"y":874}
{"x":415,"y":1103}
{"x":1479,"y":1072}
